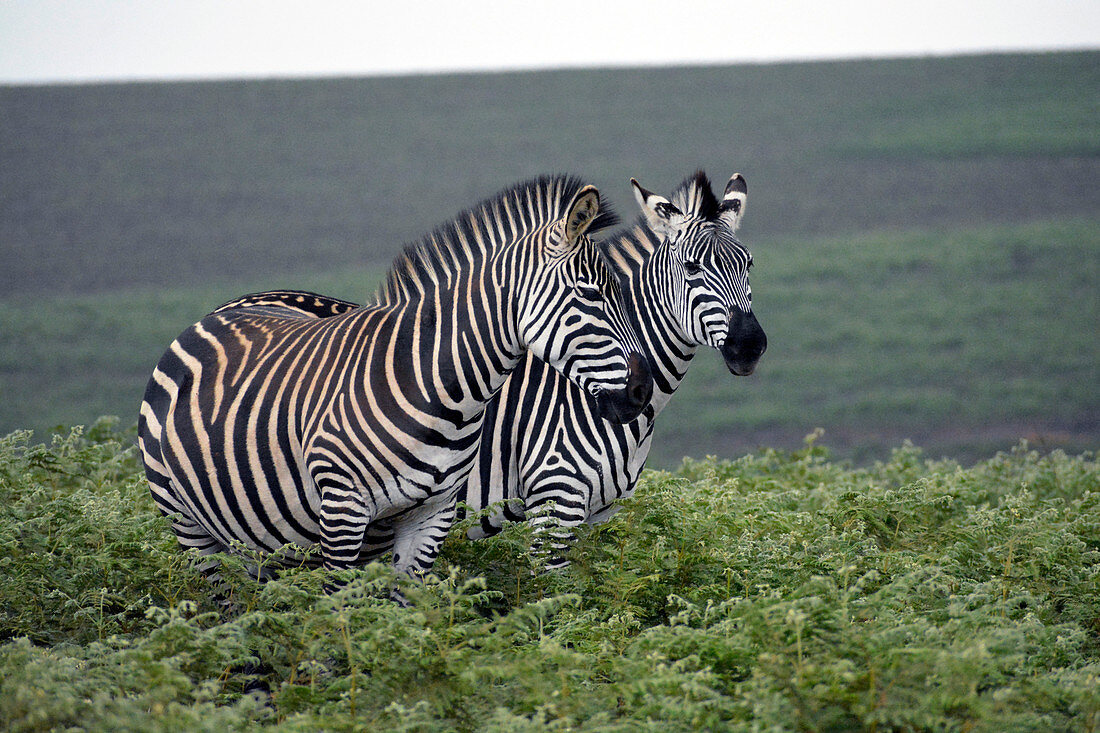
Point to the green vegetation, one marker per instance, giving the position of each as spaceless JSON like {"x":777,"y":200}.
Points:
{"x":925,"y":230}
{"x":780,"y":591}
{"x":962,"y":341}
{"x":926,"y":235}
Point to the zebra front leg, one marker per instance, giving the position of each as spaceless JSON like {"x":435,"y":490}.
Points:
{"x":418,"y":536}
{"x":344,"y":519}
{"x":554,"y":511}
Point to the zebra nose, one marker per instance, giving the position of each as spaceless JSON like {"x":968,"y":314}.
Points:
{"x":639,"y":382}
{"x":625,"y":404}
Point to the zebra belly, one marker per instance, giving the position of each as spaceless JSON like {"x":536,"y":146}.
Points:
{"x":249,"y":435}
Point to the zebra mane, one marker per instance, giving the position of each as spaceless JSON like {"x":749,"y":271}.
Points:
{"x":695,"y":197}
{"x":637,"y":242}
{"x":475,"y":233}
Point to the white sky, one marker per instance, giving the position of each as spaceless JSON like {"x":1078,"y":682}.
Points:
{"x":45,"y":41}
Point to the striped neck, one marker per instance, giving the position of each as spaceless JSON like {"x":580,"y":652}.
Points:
{"x":637,"y":254}
{"x":458,"y":292}
{"x":458,"y":343}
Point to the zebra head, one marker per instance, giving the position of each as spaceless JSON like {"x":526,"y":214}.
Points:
{"x":574,"y":316}
{"x":707,"y":268}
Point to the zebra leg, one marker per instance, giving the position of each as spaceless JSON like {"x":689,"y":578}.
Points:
{"x":554,"y":510}
{"x":509,"y":511}
{"x":418,"y":536}
{"x":192,"y":536}
{"x":344,"y":519}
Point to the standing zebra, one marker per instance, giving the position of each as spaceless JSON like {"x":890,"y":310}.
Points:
{"x":545,"y":451}
{"x":266,"y":425}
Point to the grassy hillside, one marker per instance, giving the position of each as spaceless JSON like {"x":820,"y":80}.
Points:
{"x":962,"y":340}
{"x":172,"y":184}
{"x":958,"y":340}
{"x":780,"y":591}
{"x":925,"y":231}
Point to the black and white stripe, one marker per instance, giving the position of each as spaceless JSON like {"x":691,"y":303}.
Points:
{"x":545,"y":451}
{"x":269,"y":425}
{"x":546,"y":454}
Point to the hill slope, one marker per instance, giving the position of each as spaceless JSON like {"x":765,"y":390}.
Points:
{"x":171,"y":184}
{"x":925,"y":230}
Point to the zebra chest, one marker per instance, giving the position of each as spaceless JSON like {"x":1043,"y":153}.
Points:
{"x":597,"y":463}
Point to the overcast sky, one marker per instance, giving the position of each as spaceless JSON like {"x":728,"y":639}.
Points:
{"x":46,"y":41}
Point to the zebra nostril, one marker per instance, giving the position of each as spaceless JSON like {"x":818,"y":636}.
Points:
{"x":639,"y":387}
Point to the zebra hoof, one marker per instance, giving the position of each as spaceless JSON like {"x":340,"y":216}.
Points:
{"x":399,"y":598}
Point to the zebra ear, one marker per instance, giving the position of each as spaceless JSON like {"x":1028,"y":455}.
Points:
{"x":661,"y":214}
{"x":580,"y":214}
{"x":732,"y":207}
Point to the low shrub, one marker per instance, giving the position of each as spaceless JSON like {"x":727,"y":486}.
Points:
{"x":777,"y":591}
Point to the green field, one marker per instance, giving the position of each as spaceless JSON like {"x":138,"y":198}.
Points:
{"x":926,"y":235}
{"x":957,"y":340}
{"x":926,"y":232}
{"x":777,"y":592}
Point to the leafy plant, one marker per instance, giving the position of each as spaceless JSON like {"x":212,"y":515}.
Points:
{"x":778,"y":591}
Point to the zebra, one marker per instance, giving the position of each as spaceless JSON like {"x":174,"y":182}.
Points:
{"x":545,"y":451}
{"x":268,"y":427}
{"x":546,"y":454}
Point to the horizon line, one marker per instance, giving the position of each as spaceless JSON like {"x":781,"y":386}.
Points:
{"x":334,"y":74}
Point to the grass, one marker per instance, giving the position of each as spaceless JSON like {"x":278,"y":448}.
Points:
{"x":925,"y":233}
{"x":938,"y":337}
{"x":780,"y":591}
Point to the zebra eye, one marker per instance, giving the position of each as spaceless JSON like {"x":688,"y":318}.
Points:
{"x":693,"y":268}
{"x":588,"y":291}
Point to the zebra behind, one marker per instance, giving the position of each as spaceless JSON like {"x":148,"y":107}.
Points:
{"x":270,"y":426}
{"x":546,"y":451}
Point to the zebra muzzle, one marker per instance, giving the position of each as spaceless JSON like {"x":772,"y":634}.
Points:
{"x":626,"y":404}
{"x":744,"y":345}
